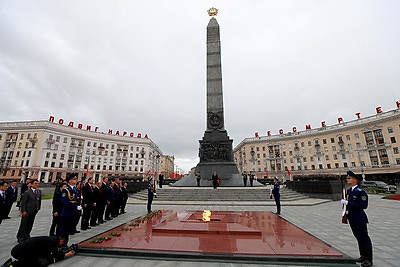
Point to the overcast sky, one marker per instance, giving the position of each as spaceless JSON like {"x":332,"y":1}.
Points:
{"x":141,"y":65}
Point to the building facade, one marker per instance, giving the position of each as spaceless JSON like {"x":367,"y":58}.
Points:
{"x":46,"y":151}
{"x":167,"y":166}
{"x":367,"y":145}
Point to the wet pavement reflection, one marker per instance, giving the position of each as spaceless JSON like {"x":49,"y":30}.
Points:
{"x":228,"y":232}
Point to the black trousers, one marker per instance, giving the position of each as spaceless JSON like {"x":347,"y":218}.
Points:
{"x":149,"y":201}
{"x":278,"y":204}
{"x":55,"y":224}
{"x":87,"y":212}
{"x":123,"y":205}
{"x":66,"y":226}
{"x":25,"y":227}
{"x":360,"y":232}
{"x":100,"y":211}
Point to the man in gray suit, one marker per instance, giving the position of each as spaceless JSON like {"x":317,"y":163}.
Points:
{"x":30,"y":205}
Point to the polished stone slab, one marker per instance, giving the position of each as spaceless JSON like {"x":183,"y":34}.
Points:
{"x":245,"y":236}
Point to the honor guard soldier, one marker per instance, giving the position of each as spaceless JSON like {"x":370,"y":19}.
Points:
{"x":70,"y":207}
{"x":277,"y":195}
{"x":151,"y":193}
{"x":356,"y":203}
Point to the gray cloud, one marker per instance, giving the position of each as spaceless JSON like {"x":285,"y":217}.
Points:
{"x":134,"y":66}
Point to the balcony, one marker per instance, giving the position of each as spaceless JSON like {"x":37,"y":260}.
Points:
{"x":33,"y":139}
{"x":50,"y":140}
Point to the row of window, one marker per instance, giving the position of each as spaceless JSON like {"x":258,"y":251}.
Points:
{"x":278,"y":167}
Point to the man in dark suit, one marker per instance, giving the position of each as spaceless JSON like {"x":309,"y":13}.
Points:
{"x":88,"y":203}
{"x":103,"y":199}
{"x":215,"y":178}
{"x":109,"y":189}
{"x":117,"y":198}
{"x":124,"y":197}
{"x":94,"y":217}
{"x":161,"y":180}
{"x":30,"y":205}
{"x":3,"y":203}
{"x":12,"y":195}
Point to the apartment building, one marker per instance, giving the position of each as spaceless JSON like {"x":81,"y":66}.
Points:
{"x":368,"y":146}
{"x":46,"y":150}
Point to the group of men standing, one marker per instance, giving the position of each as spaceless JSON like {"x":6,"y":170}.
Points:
{"x":93,"y":203}
{"x":248,"y":176}
{"x":8,"y":195}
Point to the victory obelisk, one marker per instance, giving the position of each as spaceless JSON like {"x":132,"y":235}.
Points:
{"x":215,"y":150}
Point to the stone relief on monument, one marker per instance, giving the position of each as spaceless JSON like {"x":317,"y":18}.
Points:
{"x":215,"y":152}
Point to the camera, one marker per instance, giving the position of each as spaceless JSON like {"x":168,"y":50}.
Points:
{"x":61,"y":251}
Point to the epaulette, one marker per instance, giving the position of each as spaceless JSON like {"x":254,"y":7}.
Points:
{"x":359,"y":189}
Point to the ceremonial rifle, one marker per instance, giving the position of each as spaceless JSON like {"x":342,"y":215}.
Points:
{"x":344,"y":215}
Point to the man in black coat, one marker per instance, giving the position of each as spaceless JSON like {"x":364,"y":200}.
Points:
{"x":215,"y":178}
{"x":57,"y":206}
{"x":12,"y":195}
{"x":124,"y":197}
{"x":40,"y":251}
{"x":24,"y":187}
{"x":3,"y":197}
{"x":117,"y":198}
{"x":30,"y":205}
{"x":98,"y":207}
{"x":110,"y":195}
{"x":88,"y":203}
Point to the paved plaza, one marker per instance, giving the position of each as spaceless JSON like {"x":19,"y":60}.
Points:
{"x":321,"y":220}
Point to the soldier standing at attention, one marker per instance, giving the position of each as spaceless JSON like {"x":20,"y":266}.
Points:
{"x":244,"y":175}
{"x":277,"y":195}
{"x":151,"y":192}
{"x":356,"y":203}
{"x":70,"y":207}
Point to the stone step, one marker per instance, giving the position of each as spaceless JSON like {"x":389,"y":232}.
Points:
{"x":194,"y":194}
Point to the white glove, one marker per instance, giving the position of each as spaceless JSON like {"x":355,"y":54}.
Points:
{"x":155,"y":194}
{"x":79,"y":208}
{"x":344,"y":201}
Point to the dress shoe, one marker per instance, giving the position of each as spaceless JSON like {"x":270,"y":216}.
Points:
{"x":94,"y":224}
{"x":360,"y":259}
{"x":366,"y":263}
{"x":72,"y":233}
{"x":108,"y":219}
{"x":83,"y":229}
{"x":7,"y":218}
{"x":100,"y":222}
{"x":77,"y":232}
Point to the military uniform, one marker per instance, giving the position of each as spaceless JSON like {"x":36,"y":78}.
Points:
{"x":151,"y":190}
{"x":357,"y":202}
{"x":277,"y":196}
{"x":69,"y":210}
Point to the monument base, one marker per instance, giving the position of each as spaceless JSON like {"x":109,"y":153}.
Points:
{"x":227,"y":173}
{"x":230,"y":236}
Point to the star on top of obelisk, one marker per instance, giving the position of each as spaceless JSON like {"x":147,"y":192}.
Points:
{"x":212,"y":12}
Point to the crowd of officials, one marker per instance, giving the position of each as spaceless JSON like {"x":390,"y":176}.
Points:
{"x":74,"y":201}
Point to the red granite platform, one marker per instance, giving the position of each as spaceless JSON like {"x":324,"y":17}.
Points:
{"x":261,"y":235}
